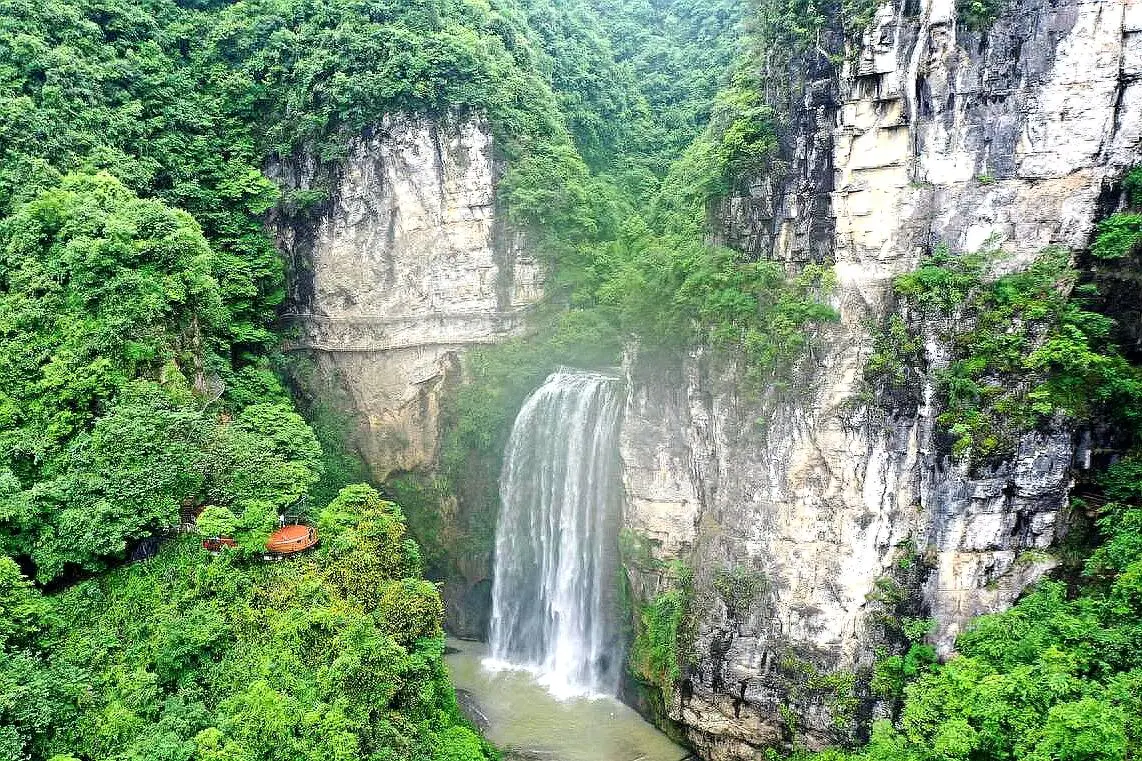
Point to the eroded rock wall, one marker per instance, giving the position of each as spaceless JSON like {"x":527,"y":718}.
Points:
{"x":939,"y":133}
{"x":398,"y":263}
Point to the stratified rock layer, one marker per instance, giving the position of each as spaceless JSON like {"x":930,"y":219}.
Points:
{"x":932,"y":133}
{"x":399,"y":266}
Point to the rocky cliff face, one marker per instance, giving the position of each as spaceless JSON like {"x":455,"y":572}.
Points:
{"x":397,"y":265}
{"x":931,"y":132}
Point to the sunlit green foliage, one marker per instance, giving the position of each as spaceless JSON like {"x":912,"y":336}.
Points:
{"x":108,"y":85}
{"x":115,"y":351}
{"x":191,"y":657}
{"x":893,"y":672}
{"x":1025,"y":348}
{"x":657,"y":644}
{"x":978,"y":14}
{"x":1120,"y":235}
{"x":738,"y":143}
{"x":644,"y":265}
{"x":654,"y":654}
{"x":98,"y":287}
{"x":367,"y":534}
{"x":215,"y":521}
{"x":138,"y":376}
{"x":680,"y":53}
{"x":21,"y":607}
{"x":896,"y":352}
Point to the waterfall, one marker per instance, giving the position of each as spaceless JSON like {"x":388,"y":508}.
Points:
{"x":555,"y":571}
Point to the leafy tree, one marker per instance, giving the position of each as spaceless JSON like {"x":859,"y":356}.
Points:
{"x":217,"y":521}
{"x":269,"y":453}
{"x":21,"y":607}
{"x":409,"y":609}
{"x":99,"y":287}
{"x":369,"y":533}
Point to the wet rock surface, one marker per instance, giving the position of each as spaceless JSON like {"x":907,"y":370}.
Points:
{"x":470,"y":707}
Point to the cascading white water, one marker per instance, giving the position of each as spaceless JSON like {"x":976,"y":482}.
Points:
{"x":552,"y":603}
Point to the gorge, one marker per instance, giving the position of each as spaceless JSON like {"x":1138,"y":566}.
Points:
{"x":927,"y":129}
{"x":849,"y":467}
{"x":795,"y":510}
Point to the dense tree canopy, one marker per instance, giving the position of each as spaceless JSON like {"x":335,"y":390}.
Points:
{"x":140,"y":376}
{"x":183,"y":658}
{"x":115,"y":348}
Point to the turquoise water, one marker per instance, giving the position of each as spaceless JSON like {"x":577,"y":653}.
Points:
{"x":522,"y":715}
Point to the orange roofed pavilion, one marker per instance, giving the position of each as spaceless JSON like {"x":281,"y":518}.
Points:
{"x":289,"y":540}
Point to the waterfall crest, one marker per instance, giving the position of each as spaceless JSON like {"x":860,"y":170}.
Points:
{"x":553,"y":602}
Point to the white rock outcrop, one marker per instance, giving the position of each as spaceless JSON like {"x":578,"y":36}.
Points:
{"x":932,"y":133}
{"x":400,"y":268}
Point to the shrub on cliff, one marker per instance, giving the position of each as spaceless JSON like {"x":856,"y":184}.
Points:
{"x":1025,"y":349}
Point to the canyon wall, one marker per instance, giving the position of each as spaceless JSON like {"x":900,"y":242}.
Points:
{"x":930,"y":132}
{"x":800,"y":506}
{"x":397,"y":264}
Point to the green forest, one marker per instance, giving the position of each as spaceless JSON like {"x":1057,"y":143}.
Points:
{"x":142,"y":374}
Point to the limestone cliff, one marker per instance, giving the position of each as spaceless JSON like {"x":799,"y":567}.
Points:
{"x":397,"y":264}
{"x":931,"y":131}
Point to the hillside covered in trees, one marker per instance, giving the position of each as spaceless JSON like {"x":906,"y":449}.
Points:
{"x":141,"y":373}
